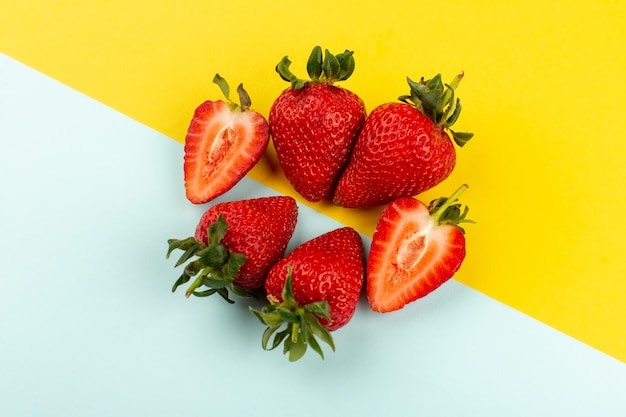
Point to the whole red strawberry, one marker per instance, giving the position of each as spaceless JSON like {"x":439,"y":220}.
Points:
{"x":415,"y":249}
{"x":224,"y":142}
{"x":404,"y":148}
{"x":314,"y":123}
{"x":235,"y":245}
{"x":313,"y":290}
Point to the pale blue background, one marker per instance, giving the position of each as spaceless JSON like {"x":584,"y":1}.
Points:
{"x":89,"y":327}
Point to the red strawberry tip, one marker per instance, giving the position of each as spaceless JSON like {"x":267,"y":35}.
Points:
{"x":321,"y":68}
{"x":244,"y":98}
{"x":212,"y":265}
{"x":444,"y":211}
{"x":301,"y":324}
{"x":438,"y":102}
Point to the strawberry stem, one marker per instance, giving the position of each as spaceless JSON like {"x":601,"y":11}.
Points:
{"x":195,"y":284}
{"x":445,"y":211}
{"x":456,"y":81}
{"x":445,"y":203}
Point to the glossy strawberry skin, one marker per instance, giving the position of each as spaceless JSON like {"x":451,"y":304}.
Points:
{"x":222,"y":145}
{"x":400,"y":152}
{"x":328,"y":268}
{"x":313,"y":129}
{"x":257,"y":228}
{"x":410,"y":256}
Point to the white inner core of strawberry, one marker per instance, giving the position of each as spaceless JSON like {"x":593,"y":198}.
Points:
{"x":219,"y":148}
{"x":410,"y":250}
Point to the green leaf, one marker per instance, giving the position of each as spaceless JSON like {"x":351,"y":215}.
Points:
{"x":346,"y":65}
{"x":298,"y":84}
{"x":188,"y":254}
{"x":215,"y":255}
{"x":330,"y":66}
{"x":223,"y":292}
{"x":233,"y":264}
{"x":463,"y":217}
{"x":447,"y":98}
{"x":316,"y":346}
{"x":320,"y":331}
{"x":297,"y":350}
{"x":193,"y":268}
{"x":183,"y":244}
{"x":217,"y":230}
{"x":259,"y":315}
{"x":435,"y":83}
{"x":273,"y":319}
{"x":287,"y":345}
{"x":280,"y":336}
{"x":205,"y":293}
{"x":184,"y":278}
{"x":320,"y":309}
{"x":268,"y":316}
{"x":305,"y":332}
{"x":452,"y":118}
{"x":223,"y":85}
{"x":267,"y":334}
{"x":314,"y":64}
{"x":405,"y":98}
{"x":241,"y":293}
{"x":431,"y":100}
{"x":244,"y":98}
{"x":288,"y":316}
{"x":461,"y":138}
{"x":287,"y":293}
{"x":417,"y":89}
{"x":448,"y":106}
{"x":216,"y":282}
{"x":282,"y":68}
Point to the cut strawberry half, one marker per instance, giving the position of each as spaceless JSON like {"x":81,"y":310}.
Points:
{"x":224,"y":142}
{"x":415,"y":249}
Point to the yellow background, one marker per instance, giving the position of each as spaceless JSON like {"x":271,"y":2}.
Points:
{"x":544,"y":94}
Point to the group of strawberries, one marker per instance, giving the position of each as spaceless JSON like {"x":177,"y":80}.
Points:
{"x":328,"y":148}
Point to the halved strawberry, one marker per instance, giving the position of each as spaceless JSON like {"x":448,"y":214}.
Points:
{"x":224,"y":141}
{"x":235,"y":245}
{"x":414,"y":250}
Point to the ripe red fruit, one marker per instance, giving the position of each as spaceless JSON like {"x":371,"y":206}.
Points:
{"x":236,"y":243}
{"x":223,"y":143}
{"x":314,"y":123}
{"x":415,"y":249}
{"x":313,"y":290}
{"x":404,"y":148}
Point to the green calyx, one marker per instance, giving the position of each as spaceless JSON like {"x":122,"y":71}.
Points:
{"x":244,"y":99}
{"x":322,"y":68}
{"x":301,"y":324}
{"x":445,"y":211}
{"x":437,"y":101}
{"x":213,"y":266}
